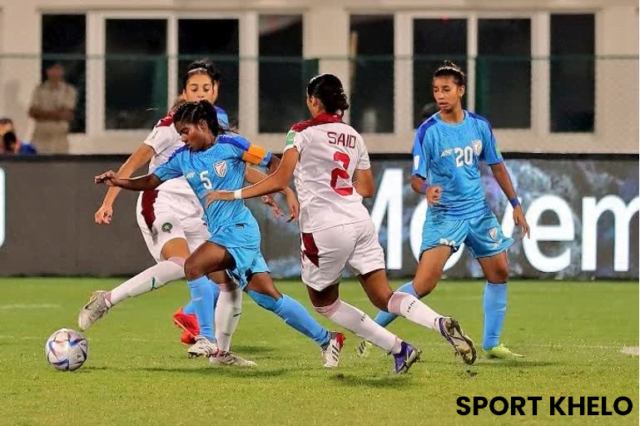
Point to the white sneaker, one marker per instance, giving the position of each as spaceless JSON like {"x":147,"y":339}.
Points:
{"x":93,"y":311}
{"x":229,"y":358}
{"x":458,"y":339}
{"x":202,"y":347}
{"x":331,"y":354}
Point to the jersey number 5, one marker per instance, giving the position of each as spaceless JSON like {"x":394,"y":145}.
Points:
{"x":336,"y":173}
{"x":206,"y":182}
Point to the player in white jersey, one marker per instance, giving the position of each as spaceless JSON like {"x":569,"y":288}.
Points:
{"x":330,"y":163}
{"x":170,"y":217}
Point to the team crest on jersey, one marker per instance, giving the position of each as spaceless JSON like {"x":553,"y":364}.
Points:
{"x":167,"y":227}
{"x":220,"y":168}
{"x":493,"y":233}
{"x":477,"y":147}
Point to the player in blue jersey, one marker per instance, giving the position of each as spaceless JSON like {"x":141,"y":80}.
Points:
{"x":170,"y":217}
{"x":447,"y":150}
{"x":214,"y":159}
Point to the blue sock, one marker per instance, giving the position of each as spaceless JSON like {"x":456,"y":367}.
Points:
{"x":385,"y":318}
{"x":495,"y":308}
{"x":202,"y":299}
{"x":294,"y":315}
{"x":191,"y":308}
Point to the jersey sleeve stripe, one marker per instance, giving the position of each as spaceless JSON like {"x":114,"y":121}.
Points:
{"x":238,"y":142}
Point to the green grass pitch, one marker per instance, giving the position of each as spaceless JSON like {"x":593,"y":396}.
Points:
{"x":138,"y":373}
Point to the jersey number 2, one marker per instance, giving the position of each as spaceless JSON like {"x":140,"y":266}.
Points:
{"x":343,"y":158}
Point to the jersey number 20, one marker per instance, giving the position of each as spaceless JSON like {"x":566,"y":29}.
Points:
{"x":463,"y":156}
{"x":336,"y":173}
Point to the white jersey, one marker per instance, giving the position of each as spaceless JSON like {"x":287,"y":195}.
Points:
{"x":165,"y":140}
{"x":330,"y":153}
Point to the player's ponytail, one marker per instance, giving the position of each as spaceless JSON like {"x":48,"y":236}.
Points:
{"x":328,"y":88}
{"x":449,"y":69}
{"x":194,"y":112}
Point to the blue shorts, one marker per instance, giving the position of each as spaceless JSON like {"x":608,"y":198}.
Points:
{"x":242,"y":241}
{"x":241,"y":273}
{"x":482,"y":235}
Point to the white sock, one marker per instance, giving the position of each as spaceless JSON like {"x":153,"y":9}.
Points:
{"x":411,"y":308}
{"x":359,"y":323}
{"x":228,"y":311}
{"x":147,"y":280}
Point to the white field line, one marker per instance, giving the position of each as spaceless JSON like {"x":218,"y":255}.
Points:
{"x":631,"y":350}
{"x":29,"y":306}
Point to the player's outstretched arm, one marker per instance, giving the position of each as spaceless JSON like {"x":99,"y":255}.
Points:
{"x":142,"y":183}
{"x":135,"y":161}
{"x":254,"y":176}
{"x":504,"y":180}
{"x":275,"y":182}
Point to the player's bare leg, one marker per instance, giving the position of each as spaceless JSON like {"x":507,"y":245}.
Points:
{"x":430,"y":269}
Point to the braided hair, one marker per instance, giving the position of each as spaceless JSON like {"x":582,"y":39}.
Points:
{"x":194,"y":112}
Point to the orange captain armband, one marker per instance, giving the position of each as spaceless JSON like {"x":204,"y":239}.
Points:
{"x":256,"y":154}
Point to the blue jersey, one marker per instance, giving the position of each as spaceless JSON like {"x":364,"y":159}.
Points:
{"x":223,"y":117}
{"x":448,"y":155}
{"x":221,"y":167}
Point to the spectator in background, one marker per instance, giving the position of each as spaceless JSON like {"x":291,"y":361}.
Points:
{"x":52,"y":107}
{"x":10,"y":142}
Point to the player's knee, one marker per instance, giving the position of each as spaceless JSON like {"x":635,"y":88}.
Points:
{"x":425,"y":285}
{"x":192,"y":270}
{"x":500,"y":274}
{"x":381,"y":300}
{"x":265,"y":301}
{"x":180,"y":261}
{"x":262,"y":283}
{"x":327,"y":311}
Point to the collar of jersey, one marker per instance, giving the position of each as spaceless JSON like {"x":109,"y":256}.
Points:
{"x":466,"y":115}
{"x":325,"y":117}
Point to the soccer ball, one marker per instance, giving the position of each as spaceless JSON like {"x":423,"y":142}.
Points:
{"x":66,"y":350}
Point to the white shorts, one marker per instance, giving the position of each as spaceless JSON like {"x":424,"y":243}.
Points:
{"x":164,"y":216}
{"x":324,"y":254}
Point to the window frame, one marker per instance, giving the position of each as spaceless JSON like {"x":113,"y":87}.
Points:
{"x":276,"y":137}
{"x":596,"y":34}
{"x":96,"y":49}
{"x":403,"y":84}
